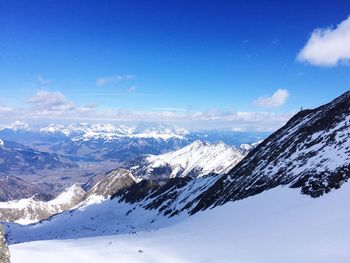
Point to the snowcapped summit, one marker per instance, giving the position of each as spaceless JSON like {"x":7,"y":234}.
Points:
{"x":56,"y":128}
{"x":208,"y":158}
{"x":16,"y":126}
{"x":115,"y":132}
{"x":195,"y":160}
{"x":158,"y":131}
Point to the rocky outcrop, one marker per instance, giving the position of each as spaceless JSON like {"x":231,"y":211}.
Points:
{"x":113,"y":182}
{"x":4,"y":250}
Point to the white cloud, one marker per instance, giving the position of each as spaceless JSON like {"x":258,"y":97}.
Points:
{"x":328,"y":46}
{"x":5,"y":109}
{"x":45,"y":105}
{"x":102,"y":81}
{"x":277,"y":99}
{"x":51,"y":102}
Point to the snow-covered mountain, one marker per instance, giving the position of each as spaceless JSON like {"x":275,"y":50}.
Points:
{"x":195,"y":160}
{"x":15,"y":126}
{"x":311,"y":152}
{"x":118,"y":142}
{"x":34,"y":209}
{"x":107,"y":131}
{"x":25,"y":211}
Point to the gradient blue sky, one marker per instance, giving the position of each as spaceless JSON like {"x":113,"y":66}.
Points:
{"x":195,"y":56}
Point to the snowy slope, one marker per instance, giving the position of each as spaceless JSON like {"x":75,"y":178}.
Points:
{"x":276,"y":226}
{"x":131,"y":209}
{"x":30,"y":210}
{"x":195,"y":160}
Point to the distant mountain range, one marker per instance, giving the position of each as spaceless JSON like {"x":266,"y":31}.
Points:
{"x":97,"y":142}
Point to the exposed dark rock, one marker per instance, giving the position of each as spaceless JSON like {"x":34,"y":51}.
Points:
{"x":4,"y":250}
{"x":136,"y":192}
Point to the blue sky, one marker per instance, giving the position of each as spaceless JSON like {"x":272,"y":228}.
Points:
{"x":169,"y":57}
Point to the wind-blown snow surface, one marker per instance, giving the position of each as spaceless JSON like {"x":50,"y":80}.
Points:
{"x":279,"y":225}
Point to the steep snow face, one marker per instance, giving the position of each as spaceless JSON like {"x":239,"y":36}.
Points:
{"x":195,"y":160}
{"x":279,"y":225}
{"x":30,"y":210}
{"x":311,"y":152}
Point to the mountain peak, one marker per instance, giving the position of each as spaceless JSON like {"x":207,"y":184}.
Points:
{"x":194,"y":160}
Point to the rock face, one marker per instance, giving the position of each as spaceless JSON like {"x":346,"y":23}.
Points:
{"x":311,"y":152}
{"x":4,"y":250}
{"x":113,"y":182}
